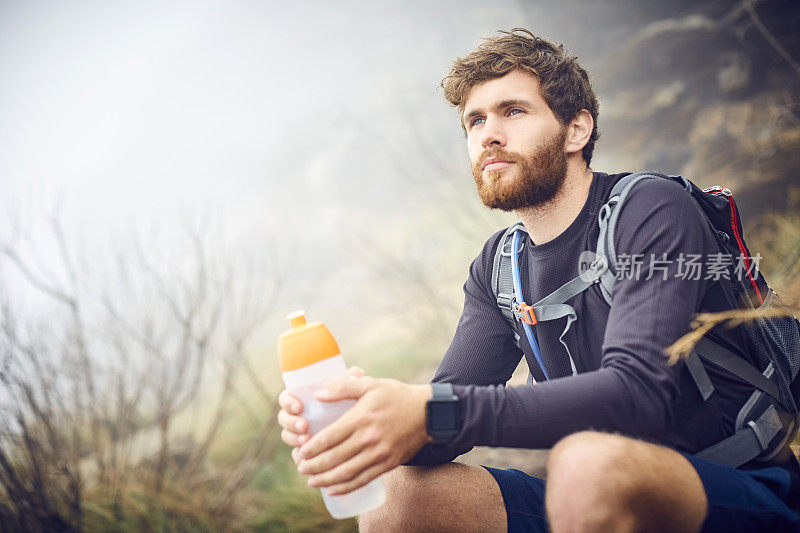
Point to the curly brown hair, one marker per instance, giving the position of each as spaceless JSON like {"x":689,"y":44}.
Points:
{"x":564,"y":83}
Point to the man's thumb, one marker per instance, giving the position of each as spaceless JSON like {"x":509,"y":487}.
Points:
{"x":355,"y":371}
{"x":347,"y":388}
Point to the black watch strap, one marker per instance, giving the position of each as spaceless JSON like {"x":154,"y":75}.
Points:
{"x":443,"y":416}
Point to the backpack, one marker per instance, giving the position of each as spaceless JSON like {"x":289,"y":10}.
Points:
{"x":769,"y":419}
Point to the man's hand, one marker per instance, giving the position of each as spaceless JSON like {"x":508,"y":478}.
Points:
{"x":295,"y":428}
{"x":385,"y":428}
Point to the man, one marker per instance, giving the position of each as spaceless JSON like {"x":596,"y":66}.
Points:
{"x":622,"y":422}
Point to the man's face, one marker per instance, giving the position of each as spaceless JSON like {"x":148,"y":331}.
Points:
{"x":515,"y":142}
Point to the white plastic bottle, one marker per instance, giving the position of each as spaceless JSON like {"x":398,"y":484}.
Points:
{"x":310,"y":359}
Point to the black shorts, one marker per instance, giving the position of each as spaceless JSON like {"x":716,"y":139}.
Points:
{"x":738,"y":500}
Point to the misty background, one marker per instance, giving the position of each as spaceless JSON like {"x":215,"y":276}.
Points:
{"x":296,"y":126}
{"x":303,"y":152}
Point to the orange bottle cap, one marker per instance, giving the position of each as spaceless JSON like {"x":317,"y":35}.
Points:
{"x":304,"y":343}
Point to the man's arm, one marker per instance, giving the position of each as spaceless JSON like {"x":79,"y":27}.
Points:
{"x":634,"y":389}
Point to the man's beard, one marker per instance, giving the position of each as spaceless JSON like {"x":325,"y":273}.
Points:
{"x":541,"y":175}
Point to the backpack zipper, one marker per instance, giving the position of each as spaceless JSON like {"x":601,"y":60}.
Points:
{"x":734,"y":226}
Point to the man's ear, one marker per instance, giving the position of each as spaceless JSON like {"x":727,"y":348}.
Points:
{"x":579,"y":130}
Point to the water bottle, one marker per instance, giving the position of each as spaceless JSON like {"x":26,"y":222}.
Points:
{"x":309,"y":359}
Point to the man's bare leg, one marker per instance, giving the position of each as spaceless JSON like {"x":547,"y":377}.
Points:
{"x":595,"y":482}
{"x":603,"y":482}
{"x":450,"y":497}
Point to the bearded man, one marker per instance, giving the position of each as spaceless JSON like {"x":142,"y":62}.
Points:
{"x":623,"y":424}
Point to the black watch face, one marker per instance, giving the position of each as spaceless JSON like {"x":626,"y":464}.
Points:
{"x":443,"y":416}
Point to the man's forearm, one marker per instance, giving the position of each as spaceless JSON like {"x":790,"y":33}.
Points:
{"x":538,"y":416}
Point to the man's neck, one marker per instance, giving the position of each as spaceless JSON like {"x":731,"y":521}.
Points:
{"x":547,"y":221}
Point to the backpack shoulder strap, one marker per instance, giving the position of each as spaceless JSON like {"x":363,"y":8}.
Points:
{"x":747,"y":443}
{"x":551,"y":307}
{"x":502,"y":277}
{"x":608,"y":217}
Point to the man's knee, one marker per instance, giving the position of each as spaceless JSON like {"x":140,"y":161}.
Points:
{"x":596,"y":479}
{"x":430,"y":498}
{"x":592,"y":456}
{"x":588,"y":485}
{"x":406,"y":488}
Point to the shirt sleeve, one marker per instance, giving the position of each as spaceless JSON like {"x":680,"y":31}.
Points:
{"x":634,"y":389}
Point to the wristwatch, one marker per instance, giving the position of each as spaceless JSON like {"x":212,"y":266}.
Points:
{"x":443,"y":413}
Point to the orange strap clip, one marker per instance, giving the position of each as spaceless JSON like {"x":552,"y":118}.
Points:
{"x":526,"y":314}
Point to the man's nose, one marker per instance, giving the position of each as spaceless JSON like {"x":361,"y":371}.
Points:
{"x":493,"y":133}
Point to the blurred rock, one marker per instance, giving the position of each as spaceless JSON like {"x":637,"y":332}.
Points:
{"x":532,"y":462}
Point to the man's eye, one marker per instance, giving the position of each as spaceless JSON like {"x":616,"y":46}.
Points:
{"x":475,"y":121}
{"x":515,"y":111}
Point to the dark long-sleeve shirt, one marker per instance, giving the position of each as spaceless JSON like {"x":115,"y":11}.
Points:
{"x":624,"y":382}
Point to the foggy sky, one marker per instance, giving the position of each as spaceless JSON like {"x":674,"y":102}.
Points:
{"x":295,"y":124}
{"x":130,"y":110}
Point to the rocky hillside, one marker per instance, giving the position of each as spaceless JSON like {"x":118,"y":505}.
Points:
{"x":707,"y":88}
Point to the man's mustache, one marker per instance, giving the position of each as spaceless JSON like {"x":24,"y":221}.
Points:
{"x":499,"y":153}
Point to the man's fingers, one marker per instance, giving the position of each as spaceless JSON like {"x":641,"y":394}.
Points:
{"x":331,"y":458}
{"x":351,"y":472}
{"x":348,"y":388}
{"x":294,"y":429}
{"x":294,"y":440}
{"x":359,"y":481}
{"x":332,"y":435}
{"x":296,"y":456}
{"x":290,"y":403}
{"x":295,"y":424}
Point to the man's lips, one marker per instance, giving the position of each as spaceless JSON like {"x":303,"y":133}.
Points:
{"x":491,"y":164}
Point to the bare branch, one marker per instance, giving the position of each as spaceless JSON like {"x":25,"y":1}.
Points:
{"x":34,"y":280}
{"x":749,"y":6}
{"x":94,"y":398}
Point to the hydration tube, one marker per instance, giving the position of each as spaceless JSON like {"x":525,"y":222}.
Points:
{"x":518,"y":294}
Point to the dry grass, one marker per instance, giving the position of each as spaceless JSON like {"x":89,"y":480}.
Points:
{"x":776,"y":237}
{"x":705,"y":322}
